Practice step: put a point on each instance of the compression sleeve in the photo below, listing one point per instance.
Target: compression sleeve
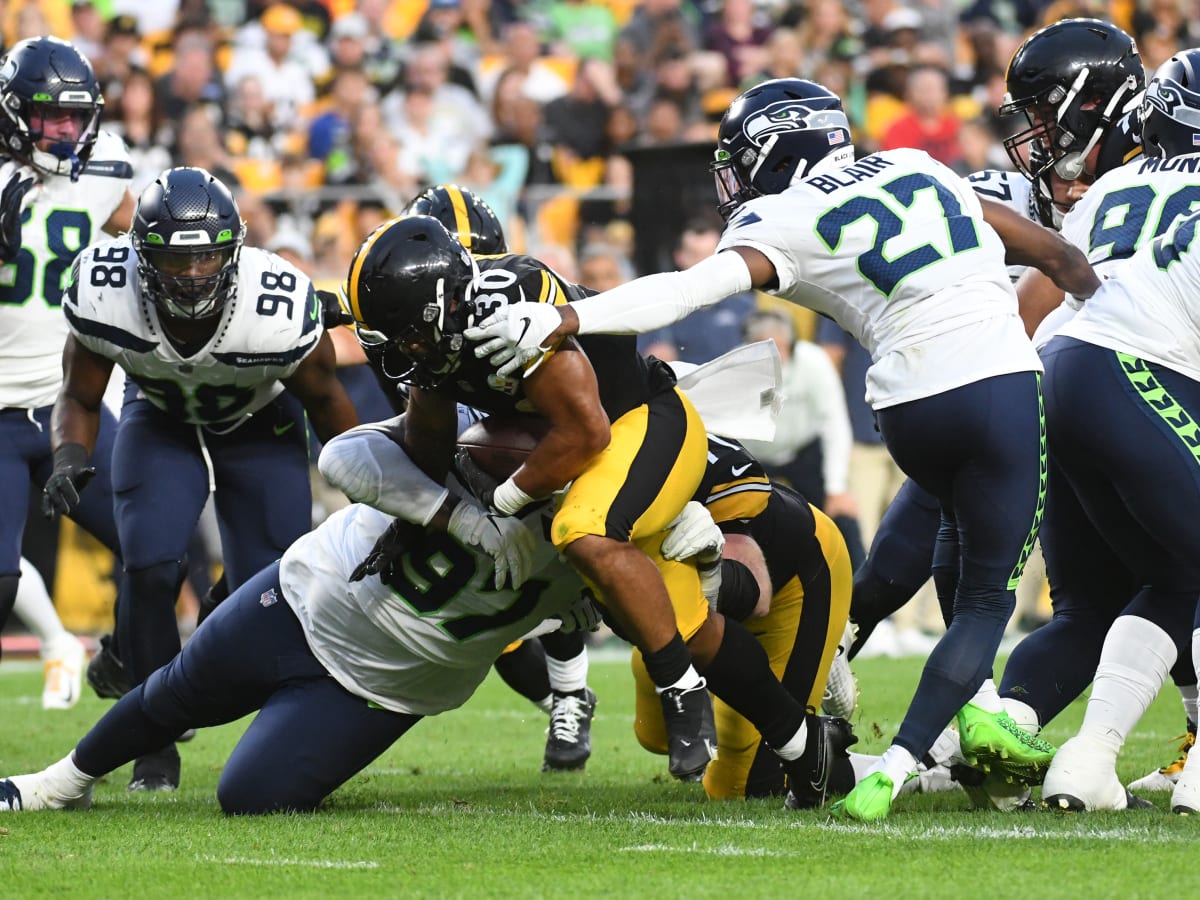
(656, 301)
(355, 463)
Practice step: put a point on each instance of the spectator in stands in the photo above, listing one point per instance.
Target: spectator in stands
(825, 34)
(739, 38)
(122, 53)
(88, 26)
(576, 125)
(930, 124)
(287, 83)
(656, 25)
(136, 117)
(329, 131)
(250, 126)
(709, 332)
(582, 29)
(199, 144)
(603, 266)
(522, 61)
(193, 79)
(382, 62)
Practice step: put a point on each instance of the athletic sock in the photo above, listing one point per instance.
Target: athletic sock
(568, 675)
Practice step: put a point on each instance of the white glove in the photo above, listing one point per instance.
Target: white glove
(507, 541)
(585, 615)
(693, 533)
(514, 335)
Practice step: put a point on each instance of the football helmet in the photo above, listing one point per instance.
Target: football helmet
(45, 80)
(1171, 107)
(465, 214)
(1072, 80)
(188, 234)
(775, 134)
(409, 289)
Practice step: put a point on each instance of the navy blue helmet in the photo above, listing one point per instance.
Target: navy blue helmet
(1171, 107)
(774, 134)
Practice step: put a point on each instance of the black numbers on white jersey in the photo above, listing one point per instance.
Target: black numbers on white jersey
(113, 275)
(990, 183)
(269, 303)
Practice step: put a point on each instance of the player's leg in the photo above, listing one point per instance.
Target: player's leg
(981, 450)
(651, 468)
(62, 654)
(229, 668)
(264, 497)
(899, 561)
(23, 443)
(160, 482)
(573, 704)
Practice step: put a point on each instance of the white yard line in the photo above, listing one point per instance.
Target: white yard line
(281, 861)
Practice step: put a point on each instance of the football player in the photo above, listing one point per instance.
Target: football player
(632, 449)
(62, 181)
(785, 574)
(962, 417)
(552, 671)
(340, 665)
(210, 334)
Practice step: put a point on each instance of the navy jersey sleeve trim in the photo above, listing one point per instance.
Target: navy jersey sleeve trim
(110, 333)
(249, 360)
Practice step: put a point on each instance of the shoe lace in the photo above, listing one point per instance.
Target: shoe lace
(1187, 741)
(1029, 740)
(567, 717)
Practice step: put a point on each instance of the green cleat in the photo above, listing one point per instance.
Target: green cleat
(993, 742)
(870, 801)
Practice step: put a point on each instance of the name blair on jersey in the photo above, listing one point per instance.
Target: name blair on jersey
(867, 167)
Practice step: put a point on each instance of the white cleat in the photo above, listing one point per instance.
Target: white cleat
(1081, 778)
(62, 661)
(26, 793)
(841, 690)
(1185, 799)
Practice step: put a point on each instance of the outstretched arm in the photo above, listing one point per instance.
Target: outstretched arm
(1029, 244)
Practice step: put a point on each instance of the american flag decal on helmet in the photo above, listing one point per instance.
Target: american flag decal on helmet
(836, 137)
(268, 597)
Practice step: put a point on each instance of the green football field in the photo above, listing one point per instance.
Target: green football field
(459, 807)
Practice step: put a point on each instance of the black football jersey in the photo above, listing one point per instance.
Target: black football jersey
(626, 379)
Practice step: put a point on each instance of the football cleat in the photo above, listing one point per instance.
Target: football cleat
(27, 793)
(824, 766)
(569, 741)
(841, 690)
(691, 730)
(106, 673)
(993, 741)
(156, 771)
(1084, 779)
(62, 663)
(1167, 777)
(992, 790)
(870, 801)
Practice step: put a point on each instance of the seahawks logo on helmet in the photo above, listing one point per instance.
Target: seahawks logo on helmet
(1173, 100)
(790, 115)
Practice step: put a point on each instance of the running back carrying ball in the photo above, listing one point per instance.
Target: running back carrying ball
(500, 444)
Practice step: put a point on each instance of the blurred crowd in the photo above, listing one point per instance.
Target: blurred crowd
(327, 116)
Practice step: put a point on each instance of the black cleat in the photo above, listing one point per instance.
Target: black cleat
(570, 737)
(156, 772)
(691, 730)
(106, 674)
(824, 766)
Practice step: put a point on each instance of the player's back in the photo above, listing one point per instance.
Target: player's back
(1131, 205)
(895, 249)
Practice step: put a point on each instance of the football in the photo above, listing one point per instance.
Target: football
(500, 444)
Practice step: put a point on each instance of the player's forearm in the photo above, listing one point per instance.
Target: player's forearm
(656, 301)
(370, 467)
(73, 422)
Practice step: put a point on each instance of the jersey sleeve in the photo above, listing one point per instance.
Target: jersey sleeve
(280, 323)
(109, 174)
(756, 226)
(735, 486)
(98, 295)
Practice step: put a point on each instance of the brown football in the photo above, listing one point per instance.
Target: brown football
(500, 444)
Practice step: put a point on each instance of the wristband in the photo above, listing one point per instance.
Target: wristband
(70, 457)
(508, 499)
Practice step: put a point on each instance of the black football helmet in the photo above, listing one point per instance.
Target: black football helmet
(465, 214)
(409, 289)
(1171, 107)
(188, 234)
(777, 133)
(42, 79)
(1072, 80)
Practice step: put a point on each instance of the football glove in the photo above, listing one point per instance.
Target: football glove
(515, 335)
(693, 533)
(585, 615)
(15, 196)
(332, 312)
(399, 537)
(70, 475)
(507, 541)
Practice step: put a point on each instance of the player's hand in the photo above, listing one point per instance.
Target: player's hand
(333, 313)
(16, 193)
(693, 533)
(516, 335)
(585, 615)
(507, 541)
(399, 537)
(70, 475)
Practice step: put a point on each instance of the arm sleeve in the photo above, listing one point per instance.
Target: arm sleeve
(356, 462)
(656, 301)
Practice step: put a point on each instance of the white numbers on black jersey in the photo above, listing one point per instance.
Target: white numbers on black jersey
(489, 296)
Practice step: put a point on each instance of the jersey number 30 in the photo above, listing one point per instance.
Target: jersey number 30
(886, 274)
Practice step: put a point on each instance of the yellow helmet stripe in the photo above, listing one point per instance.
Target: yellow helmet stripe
(356, 269)
(462, 221)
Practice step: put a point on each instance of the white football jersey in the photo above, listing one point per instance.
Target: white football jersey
(270, 324)
(422, 645)
(1011, 189)
(894, 248)
(1147, 308)
(64, 217)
